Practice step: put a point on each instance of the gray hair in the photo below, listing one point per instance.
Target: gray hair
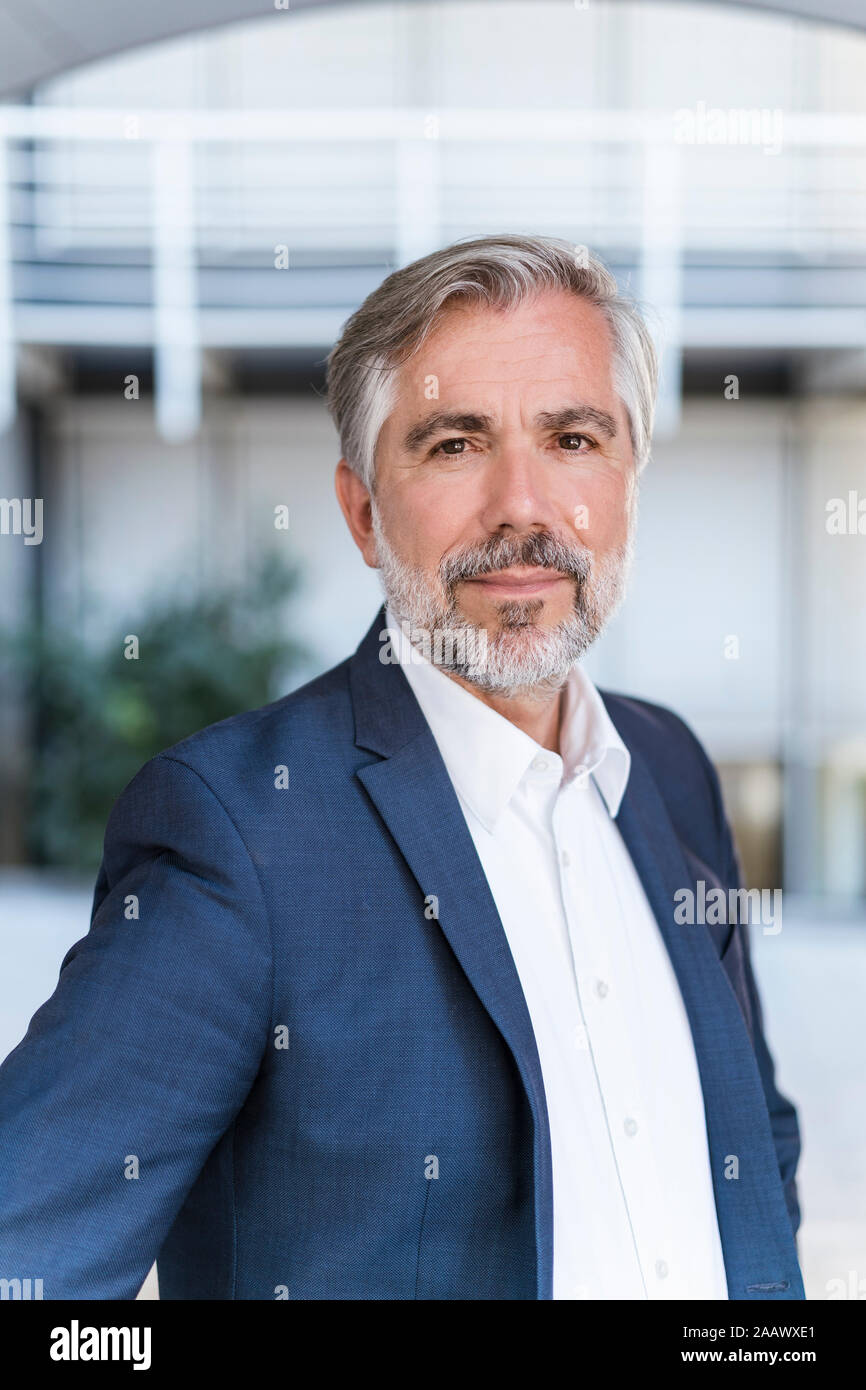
(500, 271)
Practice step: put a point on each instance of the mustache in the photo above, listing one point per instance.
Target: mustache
(540, 548)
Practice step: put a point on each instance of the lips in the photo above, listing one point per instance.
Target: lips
(520, 579)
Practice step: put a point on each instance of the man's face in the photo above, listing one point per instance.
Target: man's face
(505, 485)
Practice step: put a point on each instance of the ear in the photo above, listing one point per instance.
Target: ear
(354, 499)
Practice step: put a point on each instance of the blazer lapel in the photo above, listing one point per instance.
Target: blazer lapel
(750, 1207)
(413, 793)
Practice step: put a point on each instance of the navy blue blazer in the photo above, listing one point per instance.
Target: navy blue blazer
(268, 1042)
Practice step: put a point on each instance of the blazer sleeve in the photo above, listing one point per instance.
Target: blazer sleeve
(137, 1064)
(783, 1115)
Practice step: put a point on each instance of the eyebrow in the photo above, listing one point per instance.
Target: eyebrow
(468, 422)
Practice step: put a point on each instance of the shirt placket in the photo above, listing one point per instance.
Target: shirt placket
(601, 988)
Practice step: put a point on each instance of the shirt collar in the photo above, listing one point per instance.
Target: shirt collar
(487, 756)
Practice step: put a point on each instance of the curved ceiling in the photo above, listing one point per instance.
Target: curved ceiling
(39, 38)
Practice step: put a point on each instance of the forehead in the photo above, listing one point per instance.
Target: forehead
(553, 340)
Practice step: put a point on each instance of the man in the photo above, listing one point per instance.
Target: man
(385, 995)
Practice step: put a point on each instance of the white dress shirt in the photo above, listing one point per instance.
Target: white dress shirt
(633, 1209)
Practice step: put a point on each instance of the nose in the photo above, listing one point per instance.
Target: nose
(514, 496)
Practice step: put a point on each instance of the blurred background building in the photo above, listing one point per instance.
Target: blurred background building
(185, 226)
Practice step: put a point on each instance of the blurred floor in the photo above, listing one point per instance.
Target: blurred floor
(812, 978)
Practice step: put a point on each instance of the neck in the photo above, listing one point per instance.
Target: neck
(538, 716)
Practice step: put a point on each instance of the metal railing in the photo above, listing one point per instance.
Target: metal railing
(132, 227)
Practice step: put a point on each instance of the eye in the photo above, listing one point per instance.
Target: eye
(448, 452)
(565, 441)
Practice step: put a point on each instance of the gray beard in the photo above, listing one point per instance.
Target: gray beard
(519, 658)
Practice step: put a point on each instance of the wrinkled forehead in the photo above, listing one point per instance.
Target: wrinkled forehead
(551, 342)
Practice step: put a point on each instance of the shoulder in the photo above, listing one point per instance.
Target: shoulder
(232, 757)
(320, 703)
(648, 722)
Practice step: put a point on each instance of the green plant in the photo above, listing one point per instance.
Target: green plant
(98, 715)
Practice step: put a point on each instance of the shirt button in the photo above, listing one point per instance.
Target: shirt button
(581, 775)
(630, 1127)
(581, 1038)
(601, 988)
(661, 1269)
(539, 764)
(566, 858)
(580, 1291)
